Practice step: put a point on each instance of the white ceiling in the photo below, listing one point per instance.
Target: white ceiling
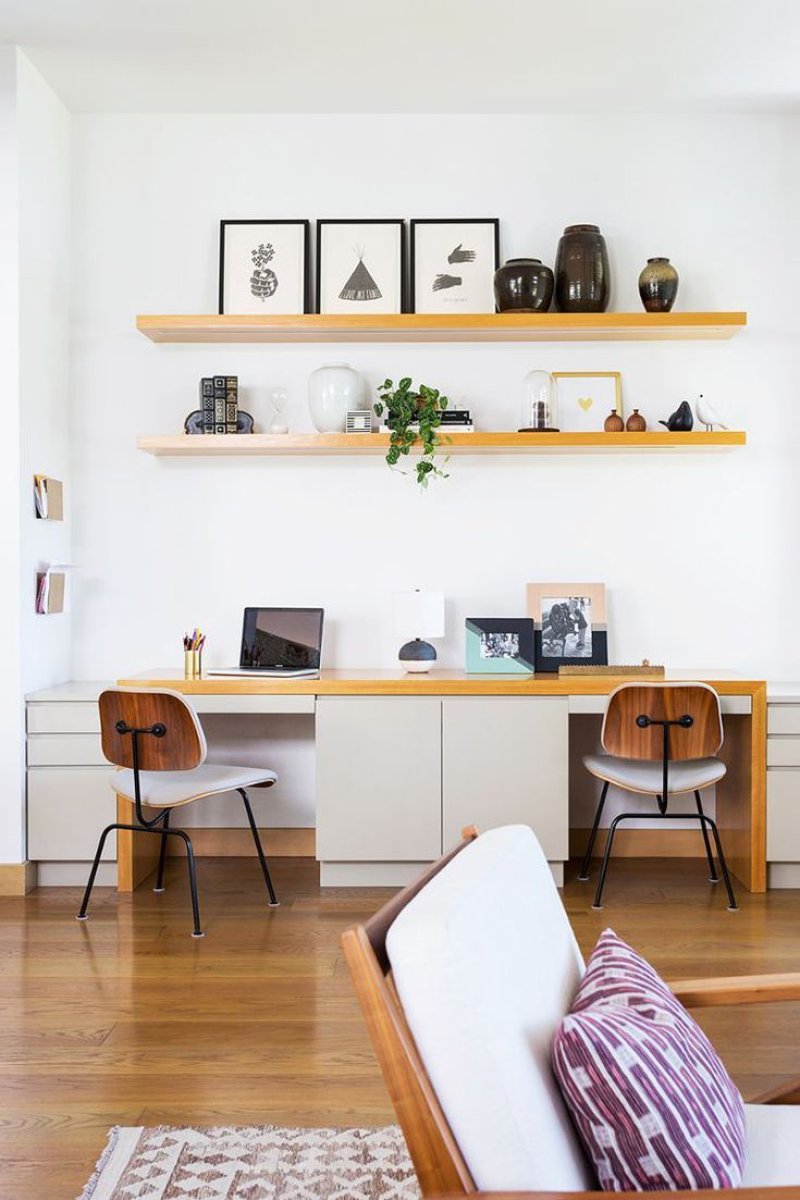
(460, 56)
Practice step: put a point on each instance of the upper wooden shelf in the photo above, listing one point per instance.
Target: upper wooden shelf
(214, 444)
(416, 327)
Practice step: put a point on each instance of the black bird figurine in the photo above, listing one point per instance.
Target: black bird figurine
(681, 421)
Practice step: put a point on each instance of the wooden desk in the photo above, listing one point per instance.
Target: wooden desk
(498, 734)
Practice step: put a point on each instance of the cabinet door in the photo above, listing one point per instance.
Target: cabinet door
(379, 779)
(68, 808)
(783, 816)
(504, 762)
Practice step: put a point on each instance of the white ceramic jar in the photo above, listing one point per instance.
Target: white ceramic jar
(332, 391)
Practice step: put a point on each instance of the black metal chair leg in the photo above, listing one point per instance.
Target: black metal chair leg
(162, 856)
(198, 933)
(82, 915)
(606, 856)
(273, 900)
(713, 877)
(583, 874)
(732, 905)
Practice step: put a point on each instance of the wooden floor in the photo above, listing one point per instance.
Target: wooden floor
(127, 1020)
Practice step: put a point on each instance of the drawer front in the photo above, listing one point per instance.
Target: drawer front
(783, 816)
(252, 704)
(783, 752)
(783, 718)
(65, 750)
(63, 718)
(68, 808)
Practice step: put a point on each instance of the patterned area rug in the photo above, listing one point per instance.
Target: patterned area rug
(254, 1163)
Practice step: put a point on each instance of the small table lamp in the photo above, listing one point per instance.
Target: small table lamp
(416, 615)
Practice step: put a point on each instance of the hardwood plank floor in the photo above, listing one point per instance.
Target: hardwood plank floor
(127, 1020)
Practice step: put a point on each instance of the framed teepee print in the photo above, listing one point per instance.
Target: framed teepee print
(453, 264)
(263, 267)
(360, 266)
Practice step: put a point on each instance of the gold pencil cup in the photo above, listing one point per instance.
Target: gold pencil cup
(192, 664)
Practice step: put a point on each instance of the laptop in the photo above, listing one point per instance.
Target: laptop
(280, 643)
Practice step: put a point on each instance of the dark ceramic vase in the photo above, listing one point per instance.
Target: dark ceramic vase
(523, 285)
(658, 285)
(583, 282)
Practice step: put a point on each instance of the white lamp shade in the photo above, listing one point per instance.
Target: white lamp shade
(418, 614)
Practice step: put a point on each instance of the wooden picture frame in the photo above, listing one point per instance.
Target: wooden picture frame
(600, 394)
(275, 282)
(475, 295)
(569, 623)
(358, 272)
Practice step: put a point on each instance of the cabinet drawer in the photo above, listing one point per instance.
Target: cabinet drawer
(783, 752)
(63, 718)
(783, 816)
(65, 750)
(68, 808)
(783, 718)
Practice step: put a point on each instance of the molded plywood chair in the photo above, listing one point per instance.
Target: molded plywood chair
(483, 967)
(661, 740)
(157, 740)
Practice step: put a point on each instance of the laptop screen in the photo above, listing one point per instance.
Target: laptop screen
(275, 638)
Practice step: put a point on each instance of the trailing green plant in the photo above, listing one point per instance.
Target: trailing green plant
(412, 416)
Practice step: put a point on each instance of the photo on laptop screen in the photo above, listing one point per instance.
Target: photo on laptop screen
(281, 639)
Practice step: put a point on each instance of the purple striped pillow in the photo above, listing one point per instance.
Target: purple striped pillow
(652, 1103)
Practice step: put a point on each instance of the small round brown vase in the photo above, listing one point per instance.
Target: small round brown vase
(636, 422)
(613, 422)
(658, 285)
(523, 285)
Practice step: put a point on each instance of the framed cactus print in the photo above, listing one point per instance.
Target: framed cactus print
(361, 266)
(263, 267)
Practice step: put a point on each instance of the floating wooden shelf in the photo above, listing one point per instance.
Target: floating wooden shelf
(462, 327)
(213, 445)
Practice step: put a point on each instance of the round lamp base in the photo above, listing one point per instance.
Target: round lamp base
(417, 656)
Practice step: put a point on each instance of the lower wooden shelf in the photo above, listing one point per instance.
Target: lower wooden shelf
(213, 445)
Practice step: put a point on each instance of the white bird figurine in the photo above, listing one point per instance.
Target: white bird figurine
(707, 414)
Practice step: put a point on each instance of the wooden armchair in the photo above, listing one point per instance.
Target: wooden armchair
(471, 1085)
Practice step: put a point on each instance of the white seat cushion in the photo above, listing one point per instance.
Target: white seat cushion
(167, 789)
(641, 775)
(773, 1145)
(486, 965)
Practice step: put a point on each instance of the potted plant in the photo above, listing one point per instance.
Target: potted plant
(413, 415)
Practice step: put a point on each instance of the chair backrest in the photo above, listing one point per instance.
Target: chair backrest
(622, 736)
(485, 965)
(183, 745)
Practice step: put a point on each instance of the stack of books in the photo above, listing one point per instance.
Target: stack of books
(454, 420)
(219, 401)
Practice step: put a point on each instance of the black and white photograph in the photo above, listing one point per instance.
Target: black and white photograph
(263, 267)
(567, 627)
(569, 624)
(499, 645)
(361, 266)
(453, 264)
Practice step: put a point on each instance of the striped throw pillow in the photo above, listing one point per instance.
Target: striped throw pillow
(652, 1103)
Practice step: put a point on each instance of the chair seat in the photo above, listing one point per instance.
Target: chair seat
(773, 1145)
(168, 789)
(641, 775)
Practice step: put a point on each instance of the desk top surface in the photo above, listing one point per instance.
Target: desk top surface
(442, 682)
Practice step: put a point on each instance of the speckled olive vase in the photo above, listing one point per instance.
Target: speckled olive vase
(658, 285)
(583, 281)
(523, 285)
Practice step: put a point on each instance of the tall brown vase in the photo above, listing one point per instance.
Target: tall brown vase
(583, 282)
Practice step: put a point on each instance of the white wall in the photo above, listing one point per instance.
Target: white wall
(34, 352)
(693, 548)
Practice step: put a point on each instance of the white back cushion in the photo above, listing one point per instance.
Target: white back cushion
(486, 965)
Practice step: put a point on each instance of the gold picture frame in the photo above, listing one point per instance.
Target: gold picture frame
(585, 398)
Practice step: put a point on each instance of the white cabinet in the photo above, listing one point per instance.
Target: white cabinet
(783, 794)
(505, 761)
(379, 780)
(68, 808)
